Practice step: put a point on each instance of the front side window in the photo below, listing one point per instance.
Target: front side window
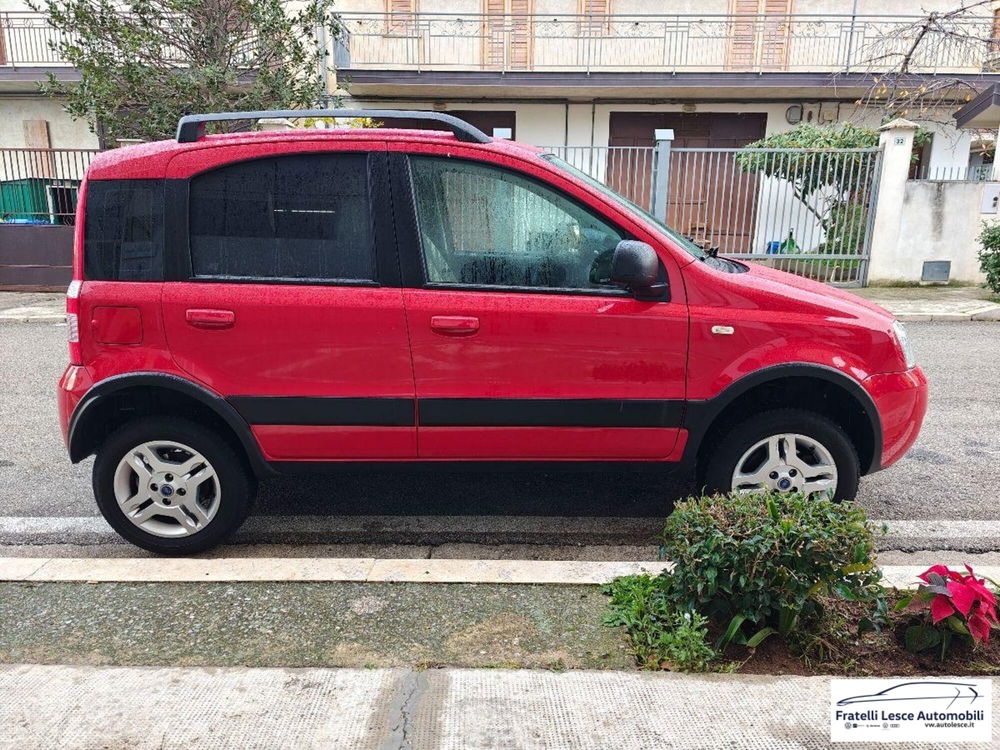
(482, 225)
(301, 217)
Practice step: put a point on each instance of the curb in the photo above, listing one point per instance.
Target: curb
(356, 570)
(6, 318)
(987, 312)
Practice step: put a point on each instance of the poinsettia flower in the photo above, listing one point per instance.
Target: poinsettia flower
(962, 596)
(979, 627)
(941, 608)
(983, 594)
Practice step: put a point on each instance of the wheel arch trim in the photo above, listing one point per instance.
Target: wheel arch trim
(99, 392)
(700, 415)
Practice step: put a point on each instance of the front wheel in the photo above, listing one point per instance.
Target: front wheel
(785, 450)
(172, 486)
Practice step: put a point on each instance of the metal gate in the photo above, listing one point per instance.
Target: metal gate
(806, 211)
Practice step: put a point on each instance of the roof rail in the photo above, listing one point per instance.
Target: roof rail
(191, 128)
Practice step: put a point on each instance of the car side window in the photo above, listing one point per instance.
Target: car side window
(482, 225)
(299, 217)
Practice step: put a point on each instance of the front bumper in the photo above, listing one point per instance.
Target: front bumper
(901, 399)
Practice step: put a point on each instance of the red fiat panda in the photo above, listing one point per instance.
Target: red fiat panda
(283, 302)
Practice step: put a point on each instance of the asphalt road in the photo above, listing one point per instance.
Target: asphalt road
(952, 473)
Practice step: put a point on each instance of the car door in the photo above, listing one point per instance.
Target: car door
(521, 349)
(285, 295)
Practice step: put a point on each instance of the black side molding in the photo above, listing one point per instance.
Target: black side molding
(323, 410)
(84, 419)
(549, 412)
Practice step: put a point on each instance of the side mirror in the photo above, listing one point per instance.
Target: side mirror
(636, 265)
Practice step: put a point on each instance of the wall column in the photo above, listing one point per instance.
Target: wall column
(896, 143)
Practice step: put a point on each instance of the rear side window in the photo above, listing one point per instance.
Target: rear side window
(123, 230)
(301, 217)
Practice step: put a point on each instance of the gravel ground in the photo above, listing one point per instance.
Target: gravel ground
(953, 472)
(307, 624)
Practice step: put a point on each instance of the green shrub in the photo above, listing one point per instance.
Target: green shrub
(755, 563)
(989, 255)
(659, 634)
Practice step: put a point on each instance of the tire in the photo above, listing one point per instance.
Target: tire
(807, 430)
(211, 488)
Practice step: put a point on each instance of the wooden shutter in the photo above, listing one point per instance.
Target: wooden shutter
(596, 16)
(759, 35)
(774, 53)
(3, 49)
(400, 19)
(507, 34)
(520, 34)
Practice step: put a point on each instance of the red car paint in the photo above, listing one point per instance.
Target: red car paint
(422, 354)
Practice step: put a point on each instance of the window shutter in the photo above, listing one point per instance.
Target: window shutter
(399, 16)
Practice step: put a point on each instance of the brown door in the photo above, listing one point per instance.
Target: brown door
(507, 34)
(758, 34)
(709, 198)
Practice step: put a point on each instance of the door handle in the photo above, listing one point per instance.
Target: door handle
(210, 318)
(454, 325)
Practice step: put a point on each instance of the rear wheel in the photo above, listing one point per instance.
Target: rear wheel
(172, 486)
(785, 450)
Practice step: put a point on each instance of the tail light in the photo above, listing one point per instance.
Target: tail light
(73, 322)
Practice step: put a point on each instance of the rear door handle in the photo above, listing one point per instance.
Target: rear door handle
(201, 318)
(454, 325)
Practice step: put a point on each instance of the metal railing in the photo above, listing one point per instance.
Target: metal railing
(977, 173)
(668, 43)
(26, 39)
(39, 186)
(806, 211)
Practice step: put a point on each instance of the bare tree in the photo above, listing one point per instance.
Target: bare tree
(903, 62)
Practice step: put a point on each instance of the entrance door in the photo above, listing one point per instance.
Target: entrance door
(507, 34)
(521, 349)
(291, 307)
(710, 199)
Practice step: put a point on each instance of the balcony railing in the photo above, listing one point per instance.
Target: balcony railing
(613, 43)
(25, 41)
(654, 43)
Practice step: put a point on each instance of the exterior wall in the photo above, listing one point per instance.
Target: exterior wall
(63, 131)
(938, 221)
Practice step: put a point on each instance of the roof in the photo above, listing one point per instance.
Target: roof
(981, 112)
(149, 160)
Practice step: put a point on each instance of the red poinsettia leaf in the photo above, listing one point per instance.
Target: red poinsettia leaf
(962, 596)
(938, 570)
(979, 628)
(983, 594)
(969, 568)
(940, 609)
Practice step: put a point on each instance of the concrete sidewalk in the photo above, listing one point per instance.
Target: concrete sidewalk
(934, 303)
(949, 303)
(191, 708)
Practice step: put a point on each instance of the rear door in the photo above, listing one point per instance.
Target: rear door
(521, 349)
(286, 296)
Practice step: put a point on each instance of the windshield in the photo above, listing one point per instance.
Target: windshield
(683, 242)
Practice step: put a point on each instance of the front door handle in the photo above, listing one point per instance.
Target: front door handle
(454, 325)
(201, 318)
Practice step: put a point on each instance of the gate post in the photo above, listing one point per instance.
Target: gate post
(661, 171)
(897, 146)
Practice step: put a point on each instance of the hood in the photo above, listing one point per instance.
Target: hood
(812, 292)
